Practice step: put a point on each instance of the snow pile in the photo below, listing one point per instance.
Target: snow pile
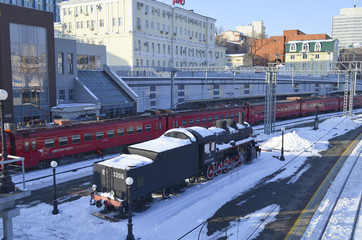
(292, 143)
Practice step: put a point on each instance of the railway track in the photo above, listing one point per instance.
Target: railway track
(329, 223)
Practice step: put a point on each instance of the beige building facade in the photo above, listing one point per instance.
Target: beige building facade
(253, 30)
(144, 33)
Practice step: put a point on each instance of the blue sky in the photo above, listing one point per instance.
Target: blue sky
(309, 16)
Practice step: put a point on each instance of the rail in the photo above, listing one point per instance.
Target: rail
(13, 168)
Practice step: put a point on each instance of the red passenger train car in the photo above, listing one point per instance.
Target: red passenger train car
(40, 145)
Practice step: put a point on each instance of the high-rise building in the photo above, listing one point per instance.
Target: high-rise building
(253, 30)
(144, 33)
(45, 5)
(347, 26)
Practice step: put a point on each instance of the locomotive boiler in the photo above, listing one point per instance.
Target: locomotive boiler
(163, 164)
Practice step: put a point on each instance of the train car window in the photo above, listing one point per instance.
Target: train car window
(177, 124)
(140, 182)
(258, 112)
(139, 129)
(173, 124)
(49, 143)
(290, 107)
(99, 135)
(33, 145)
(26, 146)
(191, 121)
(204, 120)
(88, 137)
(226, 115)
(63, 141)
(237, 115)
(278, 109)
(198, 121)
(207, 148)
(210, 119)
(231, 115)
(213, 146)
(215, 118)
(130, 131)
(148, 128)
(110, 133)
(160, 126)
(184, 122)
(156, 126)
(76, 139)
(120, 132)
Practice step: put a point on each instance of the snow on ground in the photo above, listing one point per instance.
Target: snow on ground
(342, 220)
(172, 218)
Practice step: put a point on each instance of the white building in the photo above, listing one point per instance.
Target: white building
(143, 33)
(347, 27)
(253, 30)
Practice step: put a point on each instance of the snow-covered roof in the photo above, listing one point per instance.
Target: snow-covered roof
(204, 132)
(162, 144)
(126, 161)
(184, 131)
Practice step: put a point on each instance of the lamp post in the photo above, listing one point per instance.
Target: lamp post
(129, 182)
(282, 152)
(6, 184)
(316, 119)
(55, 211)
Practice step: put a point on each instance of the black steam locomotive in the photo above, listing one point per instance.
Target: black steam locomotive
(163, 164)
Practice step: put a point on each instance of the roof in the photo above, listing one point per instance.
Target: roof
(103, 88)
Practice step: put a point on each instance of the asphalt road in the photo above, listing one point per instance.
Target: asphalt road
(292, 198)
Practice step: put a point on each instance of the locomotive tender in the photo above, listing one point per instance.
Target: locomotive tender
(164, 163)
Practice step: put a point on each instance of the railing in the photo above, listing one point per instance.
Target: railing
(14, 168)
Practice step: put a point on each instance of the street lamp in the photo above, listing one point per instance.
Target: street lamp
(316, 118)
(55, 211)
(6, 184)
(282, 152)
(129, 182)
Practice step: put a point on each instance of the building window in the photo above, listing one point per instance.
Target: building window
(293, 47)
(62, 94)
(316, 56)
(305, 56)
(305, 47)
(70, 63)
(70, 94)
(292, 57)
(120, 21)
(101, 23)
(60, 63)
(318, 47)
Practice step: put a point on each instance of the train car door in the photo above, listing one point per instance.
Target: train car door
(30, 152)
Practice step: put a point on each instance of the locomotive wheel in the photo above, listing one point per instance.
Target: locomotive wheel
(166, 192)
(226, 165)
(218, 168)
(210, 171)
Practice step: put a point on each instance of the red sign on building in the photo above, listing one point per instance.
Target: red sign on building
(182, 2)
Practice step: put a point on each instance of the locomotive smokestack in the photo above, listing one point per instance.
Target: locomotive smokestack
(241, 117)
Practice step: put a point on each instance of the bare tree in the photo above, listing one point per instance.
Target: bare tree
(255, 44)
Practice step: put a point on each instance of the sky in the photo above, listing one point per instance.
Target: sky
(309, 16)
(171, 218)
